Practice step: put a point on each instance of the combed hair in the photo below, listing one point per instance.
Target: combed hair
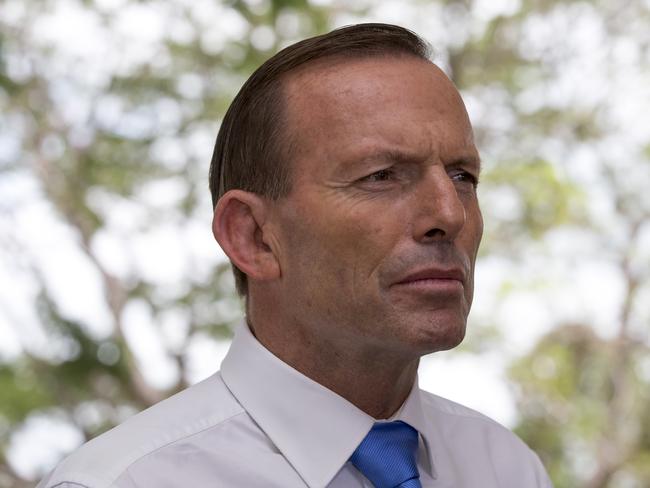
(250, 153)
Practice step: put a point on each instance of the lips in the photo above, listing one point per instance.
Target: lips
(433, 274)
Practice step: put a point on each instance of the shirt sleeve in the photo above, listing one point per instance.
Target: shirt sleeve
(523, 469)
(516, 464)
(542, 478)
(64, 484)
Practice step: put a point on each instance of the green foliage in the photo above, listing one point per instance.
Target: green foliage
(75, 369)
(569, 387)
(546, 199)
(565, 388)
(19, 383)
(112, 151)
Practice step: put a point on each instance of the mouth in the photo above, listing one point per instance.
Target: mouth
(439, 280)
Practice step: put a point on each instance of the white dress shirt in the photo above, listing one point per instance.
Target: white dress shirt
(259, 423)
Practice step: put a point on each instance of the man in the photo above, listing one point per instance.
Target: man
(344, 181)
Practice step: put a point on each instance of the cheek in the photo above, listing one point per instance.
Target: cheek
(363, 235)
(345, 245)
(477, 218)
(473, 231)
(471, 241)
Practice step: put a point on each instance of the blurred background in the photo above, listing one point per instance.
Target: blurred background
(114, 295)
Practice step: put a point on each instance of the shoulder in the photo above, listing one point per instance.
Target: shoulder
(459, 419)
(101, 461)
(468, 431)
(456, 413)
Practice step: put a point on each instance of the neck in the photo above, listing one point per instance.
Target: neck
(378, 391)
(374, 380)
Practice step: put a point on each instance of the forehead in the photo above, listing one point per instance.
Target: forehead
(335, 75)
(353, 105)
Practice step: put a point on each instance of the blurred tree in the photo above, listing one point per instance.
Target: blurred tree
(97, 127)
(577, 167)
(126, 111)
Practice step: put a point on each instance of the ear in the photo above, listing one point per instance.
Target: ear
(238, 226)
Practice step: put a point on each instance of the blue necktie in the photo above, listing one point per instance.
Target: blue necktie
(386, 456)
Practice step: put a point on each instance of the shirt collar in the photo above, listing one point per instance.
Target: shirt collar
(413, 414)
(314, 428)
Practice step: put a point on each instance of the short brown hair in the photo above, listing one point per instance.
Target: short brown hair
(249, 153)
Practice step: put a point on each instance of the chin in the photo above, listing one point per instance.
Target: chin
(440, 334)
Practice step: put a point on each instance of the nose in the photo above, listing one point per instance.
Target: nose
(440, 213)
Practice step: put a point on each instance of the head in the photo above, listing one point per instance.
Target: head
(252, 150)
(344, 178)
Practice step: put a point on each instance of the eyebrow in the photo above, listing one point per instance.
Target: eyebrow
(387, 155)
(469, 160)
(401, 156)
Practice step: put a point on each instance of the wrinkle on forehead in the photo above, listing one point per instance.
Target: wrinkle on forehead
(334, 93)
(323, 78)
(344, 109)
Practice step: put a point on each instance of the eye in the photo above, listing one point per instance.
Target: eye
(381, 175)
(465, 177)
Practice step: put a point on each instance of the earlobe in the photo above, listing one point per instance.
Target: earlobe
(238, 226)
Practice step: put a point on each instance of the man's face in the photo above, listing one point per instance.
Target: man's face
(380, 231)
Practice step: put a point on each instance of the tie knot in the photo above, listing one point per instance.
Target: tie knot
(386, 456)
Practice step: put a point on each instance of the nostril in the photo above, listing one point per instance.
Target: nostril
(435, 233)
